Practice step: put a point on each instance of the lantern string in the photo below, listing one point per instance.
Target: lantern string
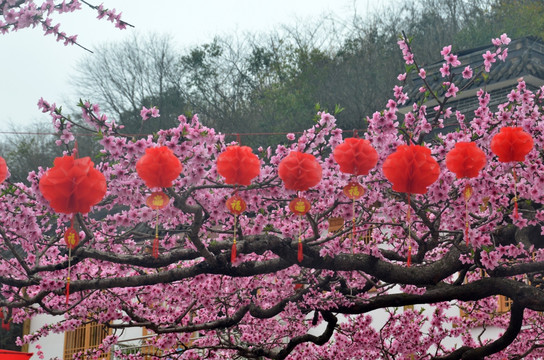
(233, 251)
(408, 220)
(467, 194)
(69, 272)
(300, 255)
(156, 240)
(516, 214)
(353, 226)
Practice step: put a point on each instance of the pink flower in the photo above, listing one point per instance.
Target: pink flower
(452, 60)
(445, 70)
(489, 58)
(505, 39)
(422, 73)
(445, 50)
(401, 77)
(146, 113)
(452, 91)
(467, 72)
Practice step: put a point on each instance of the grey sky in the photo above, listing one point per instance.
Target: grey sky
(34, 65)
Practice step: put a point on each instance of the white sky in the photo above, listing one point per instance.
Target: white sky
(34, 65)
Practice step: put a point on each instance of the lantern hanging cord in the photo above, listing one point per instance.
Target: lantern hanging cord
(156, 240)
(300, 255)
(467, 194)
(353, 226)
(69, 272)
(408, 220)
(516, 214)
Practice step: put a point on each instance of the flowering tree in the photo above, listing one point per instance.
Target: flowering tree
(294, 288)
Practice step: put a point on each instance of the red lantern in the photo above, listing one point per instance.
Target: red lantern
(3, 170)
(411, 169)
(353, 190)
(465, 160)
(511, 144)
(238, 165)
(299, 171)
(158, 167)
(236, 205)
(300, 206)
(73, 185)
(355, 156)
(157, 200)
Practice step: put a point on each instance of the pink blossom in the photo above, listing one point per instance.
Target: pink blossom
(467, 72)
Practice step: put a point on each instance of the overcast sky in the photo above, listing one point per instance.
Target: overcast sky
(34, 65)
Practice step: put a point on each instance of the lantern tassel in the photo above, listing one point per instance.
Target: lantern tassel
(156, 240)
(67, 290)
(300, 255)
(233, 252)
(409, 260)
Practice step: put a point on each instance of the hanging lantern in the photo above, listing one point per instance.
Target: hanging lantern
(353, 190)
(73, 185)
(159, 167)
(512, 144)
(299, 206)
(411, 169)
(299, 171)
(238, 165)
(355, 156)
(3, 170)
(236, 205)
(466, 160)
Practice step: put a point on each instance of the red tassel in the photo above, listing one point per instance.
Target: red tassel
(516, 214)
(67, 289)
(409, 261)
(156, 247)
(5, 325)
(233, 253)
(300, 256)
(466, 234)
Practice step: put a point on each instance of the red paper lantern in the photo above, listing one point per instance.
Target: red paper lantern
(511, 144)
(300, 206)
(355, 156)
(3, 170)
(299, 171)
(465, 160)
(157, 200)
(158, 167)
(238, 165)
(411, 169)
(73, 185)
(353, 190)
(236, 205)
